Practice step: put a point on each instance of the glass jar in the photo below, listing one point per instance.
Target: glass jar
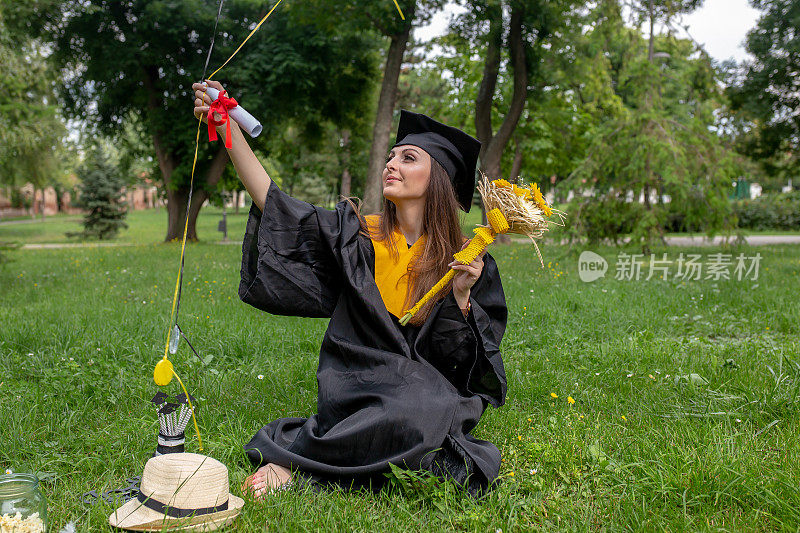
(22, 506)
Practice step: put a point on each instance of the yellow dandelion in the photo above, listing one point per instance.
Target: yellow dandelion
(511, 474)
(553, 395)
(570, 400)
(519, 437)
(624, 419)
(529, 420)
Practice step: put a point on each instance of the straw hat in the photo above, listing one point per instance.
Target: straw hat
(182, 492)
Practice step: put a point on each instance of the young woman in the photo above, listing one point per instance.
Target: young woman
(405, 395)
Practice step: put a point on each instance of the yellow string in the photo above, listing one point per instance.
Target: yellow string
(399, 10)
(247, 39)
(196, 429)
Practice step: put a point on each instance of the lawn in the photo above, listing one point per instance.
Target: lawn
(644, 446)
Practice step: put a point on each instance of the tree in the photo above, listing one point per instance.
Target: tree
(101, 195)
(30, 137)
(385, 19)
(139, 57)
(764, 90)
(658, 142)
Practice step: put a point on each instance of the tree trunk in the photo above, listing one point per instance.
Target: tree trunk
(383, 118)
(492, 154)
(516, 166)
(176, 201)
(492, 146)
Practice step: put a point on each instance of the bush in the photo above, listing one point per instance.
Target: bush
(772, 211)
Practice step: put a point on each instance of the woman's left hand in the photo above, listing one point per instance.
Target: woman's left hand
(465, 278)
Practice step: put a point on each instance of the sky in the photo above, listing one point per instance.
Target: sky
(720, 26)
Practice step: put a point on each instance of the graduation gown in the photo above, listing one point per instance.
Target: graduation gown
(386, 393)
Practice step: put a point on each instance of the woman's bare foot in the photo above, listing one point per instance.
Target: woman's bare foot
(266, 479)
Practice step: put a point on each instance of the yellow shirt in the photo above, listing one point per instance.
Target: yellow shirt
(390, 275)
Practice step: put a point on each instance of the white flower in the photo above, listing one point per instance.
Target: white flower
(8, 471)
(534, 471)
(630, 375)
(261, 376)
(738, 419)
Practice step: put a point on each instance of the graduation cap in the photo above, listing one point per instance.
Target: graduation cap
(456, 151)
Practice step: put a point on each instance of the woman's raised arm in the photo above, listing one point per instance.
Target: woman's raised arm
(250, 170)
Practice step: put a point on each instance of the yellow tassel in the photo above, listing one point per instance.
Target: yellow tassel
(497, 221)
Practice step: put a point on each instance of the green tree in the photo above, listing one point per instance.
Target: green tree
(30, 138)
(139, 57)
(658, 141)
(764, 89)
(101, 195)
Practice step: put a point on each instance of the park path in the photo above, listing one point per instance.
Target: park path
(35, 221)
(57, 245)
(752, 240)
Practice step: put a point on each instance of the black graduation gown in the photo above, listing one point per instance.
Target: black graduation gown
(386, 393)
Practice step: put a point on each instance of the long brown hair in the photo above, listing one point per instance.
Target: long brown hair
(442, 230)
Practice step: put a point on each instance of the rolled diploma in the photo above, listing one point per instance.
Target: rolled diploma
(247, 121)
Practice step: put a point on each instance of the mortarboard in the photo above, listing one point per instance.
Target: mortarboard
(456, 151)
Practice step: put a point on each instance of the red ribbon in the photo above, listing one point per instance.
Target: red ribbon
(221, 105)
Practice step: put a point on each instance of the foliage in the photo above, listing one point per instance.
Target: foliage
(657, 141)
(101, 195)
(139, 58)
(769, 211)
(31, 134)
(764, 88)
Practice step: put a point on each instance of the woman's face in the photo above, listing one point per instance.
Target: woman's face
(406, 174)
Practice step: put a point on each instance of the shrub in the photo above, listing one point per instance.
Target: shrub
(770, 211)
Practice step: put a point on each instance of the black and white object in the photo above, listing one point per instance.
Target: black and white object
(173, 417)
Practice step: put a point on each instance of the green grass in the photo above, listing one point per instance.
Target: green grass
(145, 227)
(81, 329)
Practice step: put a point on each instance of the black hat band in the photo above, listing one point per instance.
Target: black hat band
(177, 512)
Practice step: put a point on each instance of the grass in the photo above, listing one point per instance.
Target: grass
(644, 446)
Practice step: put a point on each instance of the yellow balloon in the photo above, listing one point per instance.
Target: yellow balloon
(162, 374)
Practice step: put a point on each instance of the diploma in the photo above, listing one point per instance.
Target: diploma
(245, 120)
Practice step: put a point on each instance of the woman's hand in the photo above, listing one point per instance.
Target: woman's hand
(202, 100)
(465, 278)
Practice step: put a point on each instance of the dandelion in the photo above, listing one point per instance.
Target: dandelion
(624, 419)
(570, 400)
(529, 420)
(511, 474)
(650, 376)
(553, 395)
(519, 437)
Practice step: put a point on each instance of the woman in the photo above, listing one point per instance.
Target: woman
(405, 395)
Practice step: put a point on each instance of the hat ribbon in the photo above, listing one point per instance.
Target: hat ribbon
(177, 512)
